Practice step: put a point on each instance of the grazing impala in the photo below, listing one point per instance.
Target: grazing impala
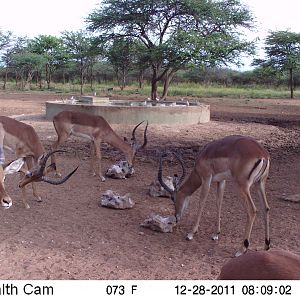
(97, 130)
(22, 139)
(239, 157)
(274, 264)
(5, 169)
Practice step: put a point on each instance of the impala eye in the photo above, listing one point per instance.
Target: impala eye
(29, 174)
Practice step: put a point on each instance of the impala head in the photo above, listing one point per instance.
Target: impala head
(135, 145)
(179, 201)
(39, 172)
(5, 169)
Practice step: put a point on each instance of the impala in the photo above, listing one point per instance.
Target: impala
(6, 169)
(97, 130)
(239, 157)
(262, 265)
(22, 139)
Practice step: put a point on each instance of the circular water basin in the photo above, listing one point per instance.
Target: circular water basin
(133, 112)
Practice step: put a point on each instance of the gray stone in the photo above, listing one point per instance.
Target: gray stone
(156, 190)
(120, 170)
(112, 199)
(160, 223)
(291, 198)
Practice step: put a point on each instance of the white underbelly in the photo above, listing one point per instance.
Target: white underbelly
(81, 135)
(221, 176)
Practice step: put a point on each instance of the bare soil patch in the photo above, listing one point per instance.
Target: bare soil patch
(69, 236)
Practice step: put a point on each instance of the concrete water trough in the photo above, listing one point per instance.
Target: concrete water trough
(133, 112)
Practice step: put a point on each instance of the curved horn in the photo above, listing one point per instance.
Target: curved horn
(134, 129)
(44, 160)
(60, 181)
(145, 136)
(159, 176)
(176, 181)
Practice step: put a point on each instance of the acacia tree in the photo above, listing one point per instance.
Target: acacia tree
(81, 49)
(121, 55)
(25, 65)
(18, 45)
(282, 53)
(175, 32)
(52, 49)
(5, 44)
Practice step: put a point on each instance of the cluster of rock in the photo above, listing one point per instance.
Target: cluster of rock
(111, 199)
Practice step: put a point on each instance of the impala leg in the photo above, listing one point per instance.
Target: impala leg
(92, 161)
(29, 163)
(24, 193)
(251, 214)
(203, 197)
(266, 210)
(61, 138)
(98, 160)
(220, 196)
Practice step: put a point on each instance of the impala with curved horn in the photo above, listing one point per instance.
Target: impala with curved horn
(239, 157)
(22, 139)
(97, 130)
(39, 173)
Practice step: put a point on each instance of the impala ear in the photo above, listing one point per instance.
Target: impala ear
(14, 166)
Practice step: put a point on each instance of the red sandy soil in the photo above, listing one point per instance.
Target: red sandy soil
(69, 236)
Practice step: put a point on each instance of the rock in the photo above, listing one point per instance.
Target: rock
(120, 170)
(156, 190)
(160, 223)
(112, 199)
(291, 198)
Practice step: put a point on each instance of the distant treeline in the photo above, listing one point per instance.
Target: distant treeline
(103, 73)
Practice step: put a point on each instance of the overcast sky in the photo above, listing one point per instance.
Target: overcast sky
(34, 17)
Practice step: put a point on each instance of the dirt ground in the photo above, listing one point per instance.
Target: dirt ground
(69, 236)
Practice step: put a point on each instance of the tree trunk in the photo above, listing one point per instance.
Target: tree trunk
(5, 79)
(123, 80)
(81, 78)
(141, 79)
(292, 83)
(91, 77)
(28, 81)
(167, 82)
(48, 76)
(154, 84)
(154, 95)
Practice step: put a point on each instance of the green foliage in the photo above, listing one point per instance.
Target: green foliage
(283, 50)
(53, 51)
(121, 55)
(5, 39)
(282, 54)
(212, 90)
(81, 48)
(174, 33)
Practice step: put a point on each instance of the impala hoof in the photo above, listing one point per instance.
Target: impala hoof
(189, 236)
(215, 237)
(239, 253)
